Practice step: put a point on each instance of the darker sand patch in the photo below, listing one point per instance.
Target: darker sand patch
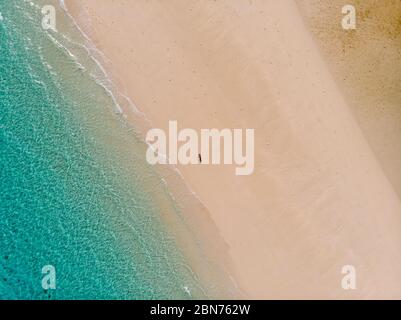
(366, 63)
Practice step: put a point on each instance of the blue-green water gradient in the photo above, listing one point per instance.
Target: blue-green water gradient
(74, 192)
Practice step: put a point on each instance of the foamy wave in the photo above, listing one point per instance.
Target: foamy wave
(93, 51)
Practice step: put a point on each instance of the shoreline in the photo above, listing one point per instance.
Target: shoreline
(192, 243)
(76, 187)
(267, 260)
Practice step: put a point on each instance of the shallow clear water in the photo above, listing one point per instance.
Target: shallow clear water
(75, 191)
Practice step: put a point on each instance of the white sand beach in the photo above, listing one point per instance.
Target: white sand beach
(322, 194)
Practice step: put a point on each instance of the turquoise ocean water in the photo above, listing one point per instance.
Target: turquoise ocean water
(75, 192)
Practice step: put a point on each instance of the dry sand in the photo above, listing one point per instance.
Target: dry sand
(319, 198)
